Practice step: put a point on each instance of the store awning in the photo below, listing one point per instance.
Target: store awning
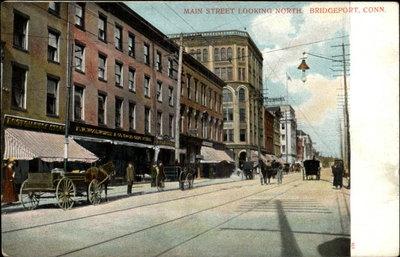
(212, 155)
(27, 145)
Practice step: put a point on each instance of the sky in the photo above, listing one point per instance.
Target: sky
(282, 33)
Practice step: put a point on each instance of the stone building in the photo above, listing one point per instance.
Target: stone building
(304, 146)
(234, 57)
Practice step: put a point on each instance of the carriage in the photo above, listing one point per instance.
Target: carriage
(311, 168)
(66, 186)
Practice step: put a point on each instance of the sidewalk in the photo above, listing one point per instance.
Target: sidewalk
(118, 192)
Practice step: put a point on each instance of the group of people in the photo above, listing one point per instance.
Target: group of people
(156, 168)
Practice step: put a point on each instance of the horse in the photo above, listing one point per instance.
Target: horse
(102, 174)
(268, 171)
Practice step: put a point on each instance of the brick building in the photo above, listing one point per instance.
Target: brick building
(235, 58)
(269, 119)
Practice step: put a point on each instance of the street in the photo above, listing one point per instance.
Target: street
(241, 218)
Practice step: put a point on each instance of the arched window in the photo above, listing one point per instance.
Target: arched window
(229, 53)
(227, 96)
(205, 55)
(223, 54)
(217, 57)
(242, 95)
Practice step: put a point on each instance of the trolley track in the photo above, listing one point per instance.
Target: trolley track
(125, 209)
(189, 215)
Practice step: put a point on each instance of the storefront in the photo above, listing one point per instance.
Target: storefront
(216, 162)
(39, 146)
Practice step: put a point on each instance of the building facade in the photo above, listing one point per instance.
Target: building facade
(305, 146)
(234, 57)
(269, 120)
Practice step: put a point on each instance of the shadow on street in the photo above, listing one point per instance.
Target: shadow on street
(337, 247)
(289, 244)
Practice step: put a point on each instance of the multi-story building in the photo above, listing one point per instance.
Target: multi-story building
(269, 119)
(124, 85)
(234, 57)
(304, 147)
(288, 127)
(34, 80)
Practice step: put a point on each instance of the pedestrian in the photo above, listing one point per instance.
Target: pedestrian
(8, 187)
(130, 176)
(337, 171)
(279, 171)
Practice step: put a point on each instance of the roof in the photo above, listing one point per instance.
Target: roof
(28, 145)
(212, 155)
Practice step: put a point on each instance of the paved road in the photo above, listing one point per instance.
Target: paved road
(297, 218)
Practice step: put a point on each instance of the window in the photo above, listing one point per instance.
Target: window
(101, 109)
(242, 95)
(54, 8)
(146, 54)
(229, 71)
(158, 62)
(242, 135)
(102, 67)
(80, 15)
(79, 57)
(170, 68)
(171, 125)
(223, 73)
(196, 93)
(217, 56)
(283, 125)
(118, 74)
(229, 54)
(159, 91)
(210, 97)
(242, 54)
(131, 45)
(52, 49)
(171, 96)
(118, 112)
(205, 55)
(189, 91)
(18, 87)
(227, 95)
(218, 72)
(146, 85)
(242, 114)
(131, 78)
(52, 96)
(118, 37)
(132, 116)
(223, 54)
(228, 114)
(228, 135)
(283, 136)
(239, 54)
(78, 103)
(283, 149)
(159, 123)
(146, 120)
(198, 55)
(20, 39)
(102, 28)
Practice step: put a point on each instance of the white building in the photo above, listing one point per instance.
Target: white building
(306, 146)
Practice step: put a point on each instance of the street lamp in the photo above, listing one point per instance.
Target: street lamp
(303, 67)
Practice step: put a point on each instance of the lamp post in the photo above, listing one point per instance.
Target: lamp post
(303, 67)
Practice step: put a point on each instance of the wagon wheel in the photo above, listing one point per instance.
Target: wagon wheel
(29, 199)
(94, 191)
(159, 182)
(65, 193)
(188, 183)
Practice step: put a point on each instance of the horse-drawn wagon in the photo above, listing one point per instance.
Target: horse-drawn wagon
(311, 168)
(66, 186)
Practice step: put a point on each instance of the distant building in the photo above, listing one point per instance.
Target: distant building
(305, 149)
(269, 120)
(288, 127)
(233, 56)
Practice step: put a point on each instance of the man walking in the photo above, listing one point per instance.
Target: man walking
(130, 175)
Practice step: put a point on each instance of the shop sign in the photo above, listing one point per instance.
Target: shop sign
(35, 125)
(94, 131)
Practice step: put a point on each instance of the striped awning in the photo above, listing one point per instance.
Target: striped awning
(27, 145)
(212, 155)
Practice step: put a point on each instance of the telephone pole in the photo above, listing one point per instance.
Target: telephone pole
(178, 101)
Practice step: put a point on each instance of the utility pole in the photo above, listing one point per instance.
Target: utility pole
(346, 112)
(2, 137)
(70, 52)
(178, 101)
